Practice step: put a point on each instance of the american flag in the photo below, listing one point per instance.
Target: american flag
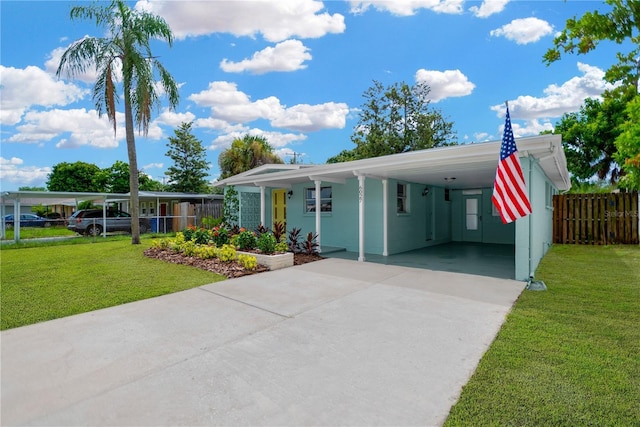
(509, 189)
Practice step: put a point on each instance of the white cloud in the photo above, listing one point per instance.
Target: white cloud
(445, 84)
(531, 127)
(524, 31)
(83, 126)
(309, 118)
(275, 20)
(11, 170)
(229, 104)
(559, 99)
(488, 8)
(153, 166)
(275, 139)
(286, 56)
(407, 7)
(31, 86)
(171, 118)
(481, 136)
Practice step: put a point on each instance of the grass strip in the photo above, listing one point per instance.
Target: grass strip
(49, 282)
(566, 356)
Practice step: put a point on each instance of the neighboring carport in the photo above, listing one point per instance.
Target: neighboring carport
(17, 198)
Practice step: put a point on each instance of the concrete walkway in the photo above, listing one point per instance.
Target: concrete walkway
(334, 342)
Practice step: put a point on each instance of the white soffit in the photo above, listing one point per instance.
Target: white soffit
(472, 165)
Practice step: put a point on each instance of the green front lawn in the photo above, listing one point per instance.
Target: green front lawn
(568, 356)
(39, 232)
(48, 282)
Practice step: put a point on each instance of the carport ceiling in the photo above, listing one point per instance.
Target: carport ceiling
(472, 166)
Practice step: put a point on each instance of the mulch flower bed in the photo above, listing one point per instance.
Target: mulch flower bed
(227, 269)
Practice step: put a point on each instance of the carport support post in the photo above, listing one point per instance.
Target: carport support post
(361, 218)
(16, 220)
(318, 184)
(4, 223)
(262, 208)
(385, 217)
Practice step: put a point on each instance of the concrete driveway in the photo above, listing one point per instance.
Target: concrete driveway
(335, 342)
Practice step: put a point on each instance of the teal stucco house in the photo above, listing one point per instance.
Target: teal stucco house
(403, 202)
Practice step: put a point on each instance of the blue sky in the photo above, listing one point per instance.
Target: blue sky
(293, 71)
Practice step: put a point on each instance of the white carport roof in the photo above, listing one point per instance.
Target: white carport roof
(68, 198)
(472, 166)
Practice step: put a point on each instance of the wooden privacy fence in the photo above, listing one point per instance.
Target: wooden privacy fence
(213, 210)
(596, 219)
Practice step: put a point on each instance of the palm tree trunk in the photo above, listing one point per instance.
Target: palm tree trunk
(134, 205)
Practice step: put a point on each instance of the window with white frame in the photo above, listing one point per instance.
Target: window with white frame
(143, 208)
(152, 208)
(326, 202)
(549, 193)
(403, 200)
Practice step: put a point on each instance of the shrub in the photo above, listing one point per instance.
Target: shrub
(211, 222)
(188, 233)
(206, 251)
(279, 231)
(160, 244)
(282, 246)
(294, 235)
(226, 253)
(267, 243)
(245, 239)
(248, 261)
(220, 236)
(310, 246)
(201, 236)
(188, 248)
(261, 230)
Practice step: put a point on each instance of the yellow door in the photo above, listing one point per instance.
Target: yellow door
(279, 202)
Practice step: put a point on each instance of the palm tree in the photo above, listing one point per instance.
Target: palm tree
(125, 47)
(246, 153)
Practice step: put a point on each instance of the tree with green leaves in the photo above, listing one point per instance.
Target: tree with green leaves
(245, 154)
(77, 177)
(621, 24)
(628, 145)
(190, 165)
(589, 136)
(116, 179)
(126, 48)
(397, 119)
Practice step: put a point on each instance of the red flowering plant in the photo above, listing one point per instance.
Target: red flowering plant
(188, 232)
(220, 235)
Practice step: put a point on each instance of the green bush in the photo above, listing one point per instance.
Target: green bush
(245, 240)
(267, 243)
(220, 236)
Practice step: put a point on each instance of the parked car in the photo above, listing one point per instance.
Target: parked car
(56, 218)
(27, 220)
(90, 222)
